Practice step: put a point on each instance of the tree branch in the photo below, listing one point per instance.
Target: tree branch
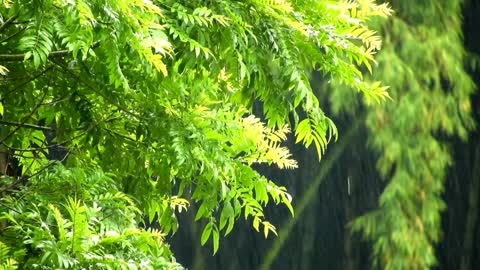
(93, 87)
(26, 82)
(50, 164)
(21, 56)
(7, 23)
(54, 54)
(25, 125)
(125, 137)
(60, 144)
(23, 122)
(14, 35)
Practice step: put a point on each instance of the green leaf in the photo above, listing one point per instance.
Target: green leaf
(256, 223)
(231, 222)
(227, 213)
(202, 210)
(206, 233)
(268, 227)
(216, 240)
(261, 191)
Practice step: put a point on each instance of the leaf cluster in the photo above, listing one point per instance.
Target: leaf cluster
(77, 219)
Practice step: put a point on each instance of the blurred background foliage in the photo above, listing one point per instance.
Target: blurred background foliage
(406, 199)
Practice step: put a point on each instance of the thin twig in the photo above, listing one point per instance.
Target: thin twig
(31, 164)
(14, 35)
(7, 23)
(25, 119)
(26, 82)
(7, 206)
(89, 85)
(62, 143)
(120, 135)
(34, 149)
(50, 164)
(53, 102)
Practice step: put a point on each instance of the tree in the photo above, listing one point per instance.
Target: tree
(121, 113)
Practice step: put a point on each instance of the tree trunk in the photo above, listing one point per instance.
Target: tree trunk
(472, 214)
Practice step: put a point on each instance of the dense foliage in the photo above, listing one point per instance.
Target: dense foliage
(78, 219)
(121, 113)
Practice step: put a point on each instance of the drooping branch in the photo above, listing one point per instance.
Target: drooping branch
(307, 197)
